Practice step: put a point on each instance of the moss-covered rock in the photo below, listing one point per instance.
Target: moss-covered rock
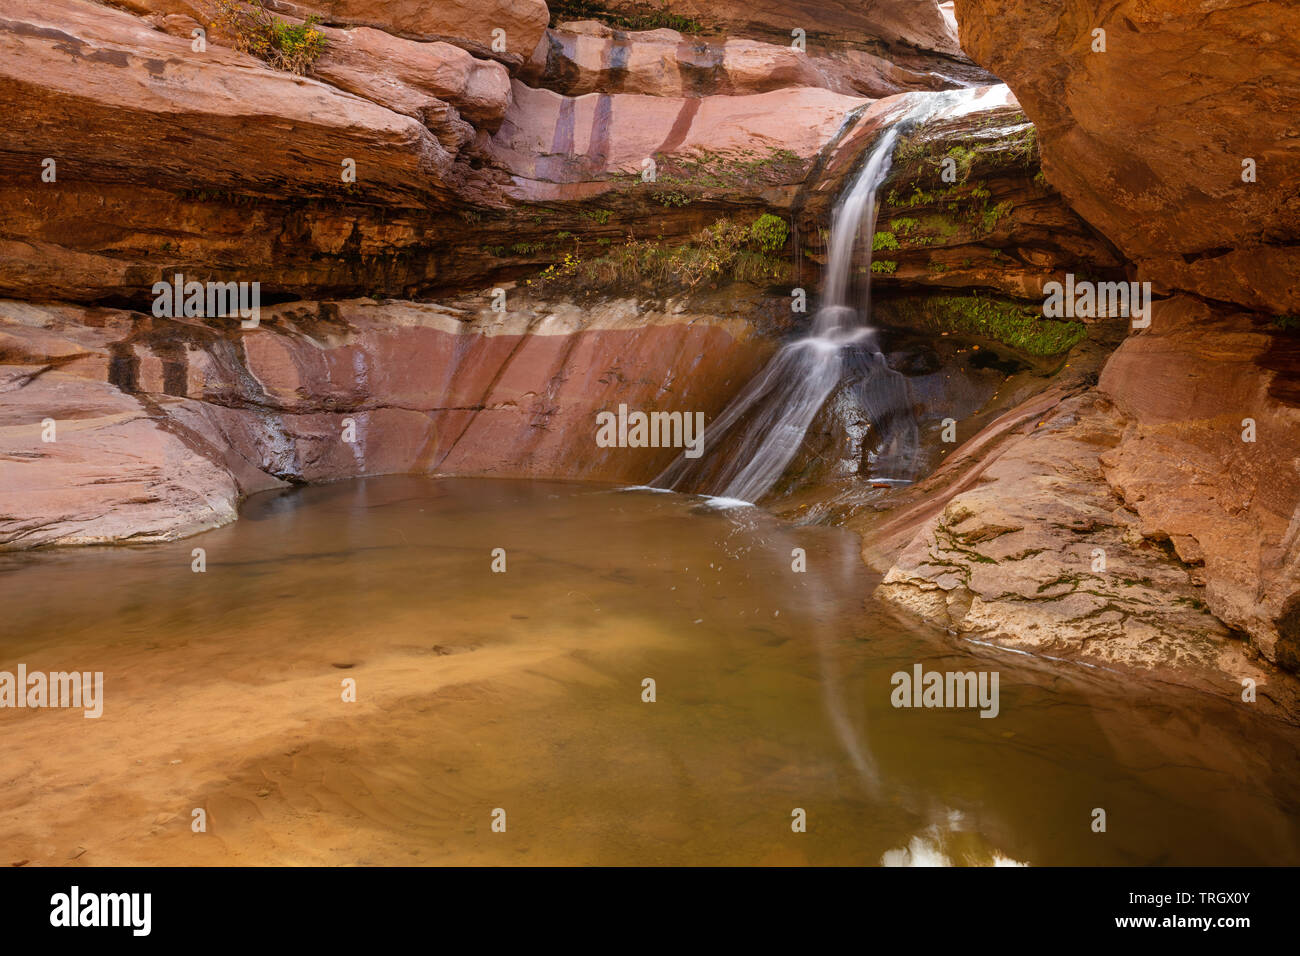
(1015, 325)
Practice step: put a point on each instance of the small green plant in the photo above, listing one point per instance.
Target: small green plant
(884, 240)
(726, 250)
(598, 216)
(884, 267)
(768, 232)
(989, 216)
(1014, 324)
(963, 158)
(670, 198)
(292, 47)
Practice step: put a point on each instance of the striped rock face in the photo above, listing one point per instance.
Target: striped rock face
(160, 426)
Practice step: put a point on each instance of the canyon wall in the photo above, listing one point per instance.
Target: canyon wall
(459, 257)
(1169, 128)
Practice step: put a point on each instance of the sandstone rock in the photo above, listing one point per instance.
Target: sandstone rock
(163, 425)
(564, 147)
(917, 24)
(417, 79)
(147, 108)
(111, 474)
(1147, 139)
(467, 23)
(588, 57)
(1005, 543)
(1188, 384)
(407, 76)
(230, 203)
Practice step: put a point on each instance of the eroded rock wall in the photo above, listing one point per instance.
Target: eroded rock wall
(119, 426)
(1147, 139)
(1168, 127)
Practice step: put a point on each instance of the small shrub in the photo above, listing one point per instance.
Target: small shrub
(285, 46)
(768, 232)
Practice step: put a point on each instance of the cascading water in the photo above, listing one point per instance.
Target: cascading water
(764, 426)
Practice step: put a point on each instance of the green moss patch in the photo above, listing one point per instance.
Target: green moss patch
(1014, 325)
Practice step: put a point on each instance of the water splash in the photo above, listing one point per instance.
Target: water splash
(764, 426)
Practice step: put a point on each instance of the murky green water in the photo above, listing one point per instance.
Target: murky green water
(522, 691)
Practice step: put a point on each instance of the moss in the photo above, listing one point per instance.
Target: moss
(1017, 326)
(902, 225)
(1074, 580)
(681, 178)
(725, 250)
(940, 225)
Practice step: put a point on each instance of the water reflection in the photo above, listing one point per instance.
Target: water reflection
(523, 690)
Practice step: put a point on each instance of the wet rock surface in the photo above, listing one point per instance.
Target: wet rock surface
(161, 426)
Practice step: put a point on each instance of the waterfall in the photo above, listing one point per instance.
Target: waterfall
(764, 426)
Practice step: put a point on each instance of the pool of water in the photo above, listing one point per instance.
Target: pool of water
(481, 690)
